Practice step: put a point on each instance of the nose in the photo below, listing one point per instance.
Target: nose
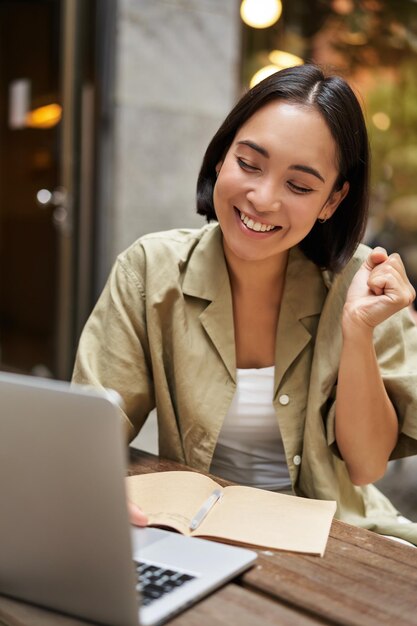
(264, 198)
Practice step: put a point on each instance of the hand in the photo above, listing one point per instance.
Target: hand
(379, 289)
(136, 515)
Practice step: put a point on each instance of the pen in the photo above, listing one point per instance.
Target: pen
(207, 506)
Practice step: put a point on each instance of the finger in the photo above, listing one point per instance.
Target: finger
(388, 273)
(136, 515)
(394, 266)
(377, 255)
(394, 260)
(392, 283)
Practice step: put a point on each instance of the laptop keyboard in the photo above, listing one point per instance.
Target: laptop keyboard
(155, 581)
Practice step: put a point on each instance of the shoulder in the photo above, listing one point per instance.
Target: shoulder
(175, 243)
(338, 283)
(341, 280)
(167, 252)
(359, 256)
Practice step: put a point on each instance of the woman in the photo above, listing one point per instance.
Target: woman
(278, 352)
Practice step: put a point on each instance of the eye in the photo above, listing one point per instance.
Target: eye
(298, 189)
(245, 166)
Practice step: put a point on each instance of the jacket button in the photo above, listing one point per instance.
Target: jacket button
(296, 459)
(284, 399)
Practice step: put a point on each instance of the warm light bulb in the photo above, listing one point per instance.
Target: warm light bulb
(264, 72)
(44, 117)
(343, 7)
(284, 59)
(280, 61)
(260, 13)
(381, 120)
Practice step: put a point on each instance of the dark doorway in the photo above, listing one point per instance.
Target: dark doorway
(29, 79)
(49, 123)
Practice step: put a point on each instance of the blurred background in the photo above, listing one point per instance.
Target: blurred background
(106, 108)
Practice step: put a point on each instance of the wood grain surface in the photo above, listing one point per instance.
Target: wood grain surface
(362, 580)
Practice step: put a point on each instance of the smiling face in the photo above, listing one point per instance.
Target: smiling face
(275, 181)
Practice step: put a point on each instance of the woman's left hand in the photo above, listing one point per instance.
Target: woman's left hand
(379, 289)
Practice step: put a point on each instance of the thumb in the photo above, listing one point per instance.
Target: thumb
(377, 256)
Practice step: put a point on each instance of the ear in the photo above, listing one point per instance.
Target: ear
(219, 167)
(333, 201)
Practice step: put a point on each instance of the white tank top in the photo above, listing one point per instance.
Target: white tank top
(249, 449)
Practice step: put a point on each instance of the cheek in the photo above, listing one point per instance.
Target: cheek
(231, 179)
(222, 189)
(218, 200)
(305, 210)
(216, 195)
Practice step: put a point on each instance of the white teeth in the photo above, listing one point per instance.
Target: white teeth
(256, 226)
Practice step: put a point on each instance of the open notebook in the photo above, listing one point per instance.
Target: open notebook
(65, 539)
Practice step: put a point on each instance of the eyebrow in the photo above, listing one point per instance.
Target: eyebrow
(254, 146)
(308, 170)
(300, 168)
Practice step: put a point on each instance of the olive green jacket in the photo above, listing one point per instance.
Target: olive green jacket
(162, 335)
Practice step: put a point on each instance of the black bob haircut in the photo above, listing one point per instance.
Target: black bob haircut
(329, 245)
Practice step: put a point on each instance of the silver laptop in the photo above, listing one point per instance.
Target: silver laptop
(65, 539)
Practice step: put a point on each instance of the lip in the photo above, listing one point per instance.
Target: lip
(253, 233)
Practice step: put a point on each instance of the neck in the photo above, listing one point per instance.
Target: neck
(258, 276)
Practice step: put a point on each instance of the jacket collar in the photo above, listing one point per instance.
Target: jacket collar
(206, 266)
(303, 297)
(206, 277)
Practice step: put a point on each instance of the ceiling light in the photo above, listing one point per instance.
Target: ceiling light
(260, 13)
(283, 59)
(264, 72)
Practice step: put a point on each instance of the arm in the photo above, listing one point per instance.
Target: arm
(366, 423)
(113, 351)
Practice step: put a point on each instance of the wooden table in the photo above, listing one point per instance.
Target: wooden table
(362, 580)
